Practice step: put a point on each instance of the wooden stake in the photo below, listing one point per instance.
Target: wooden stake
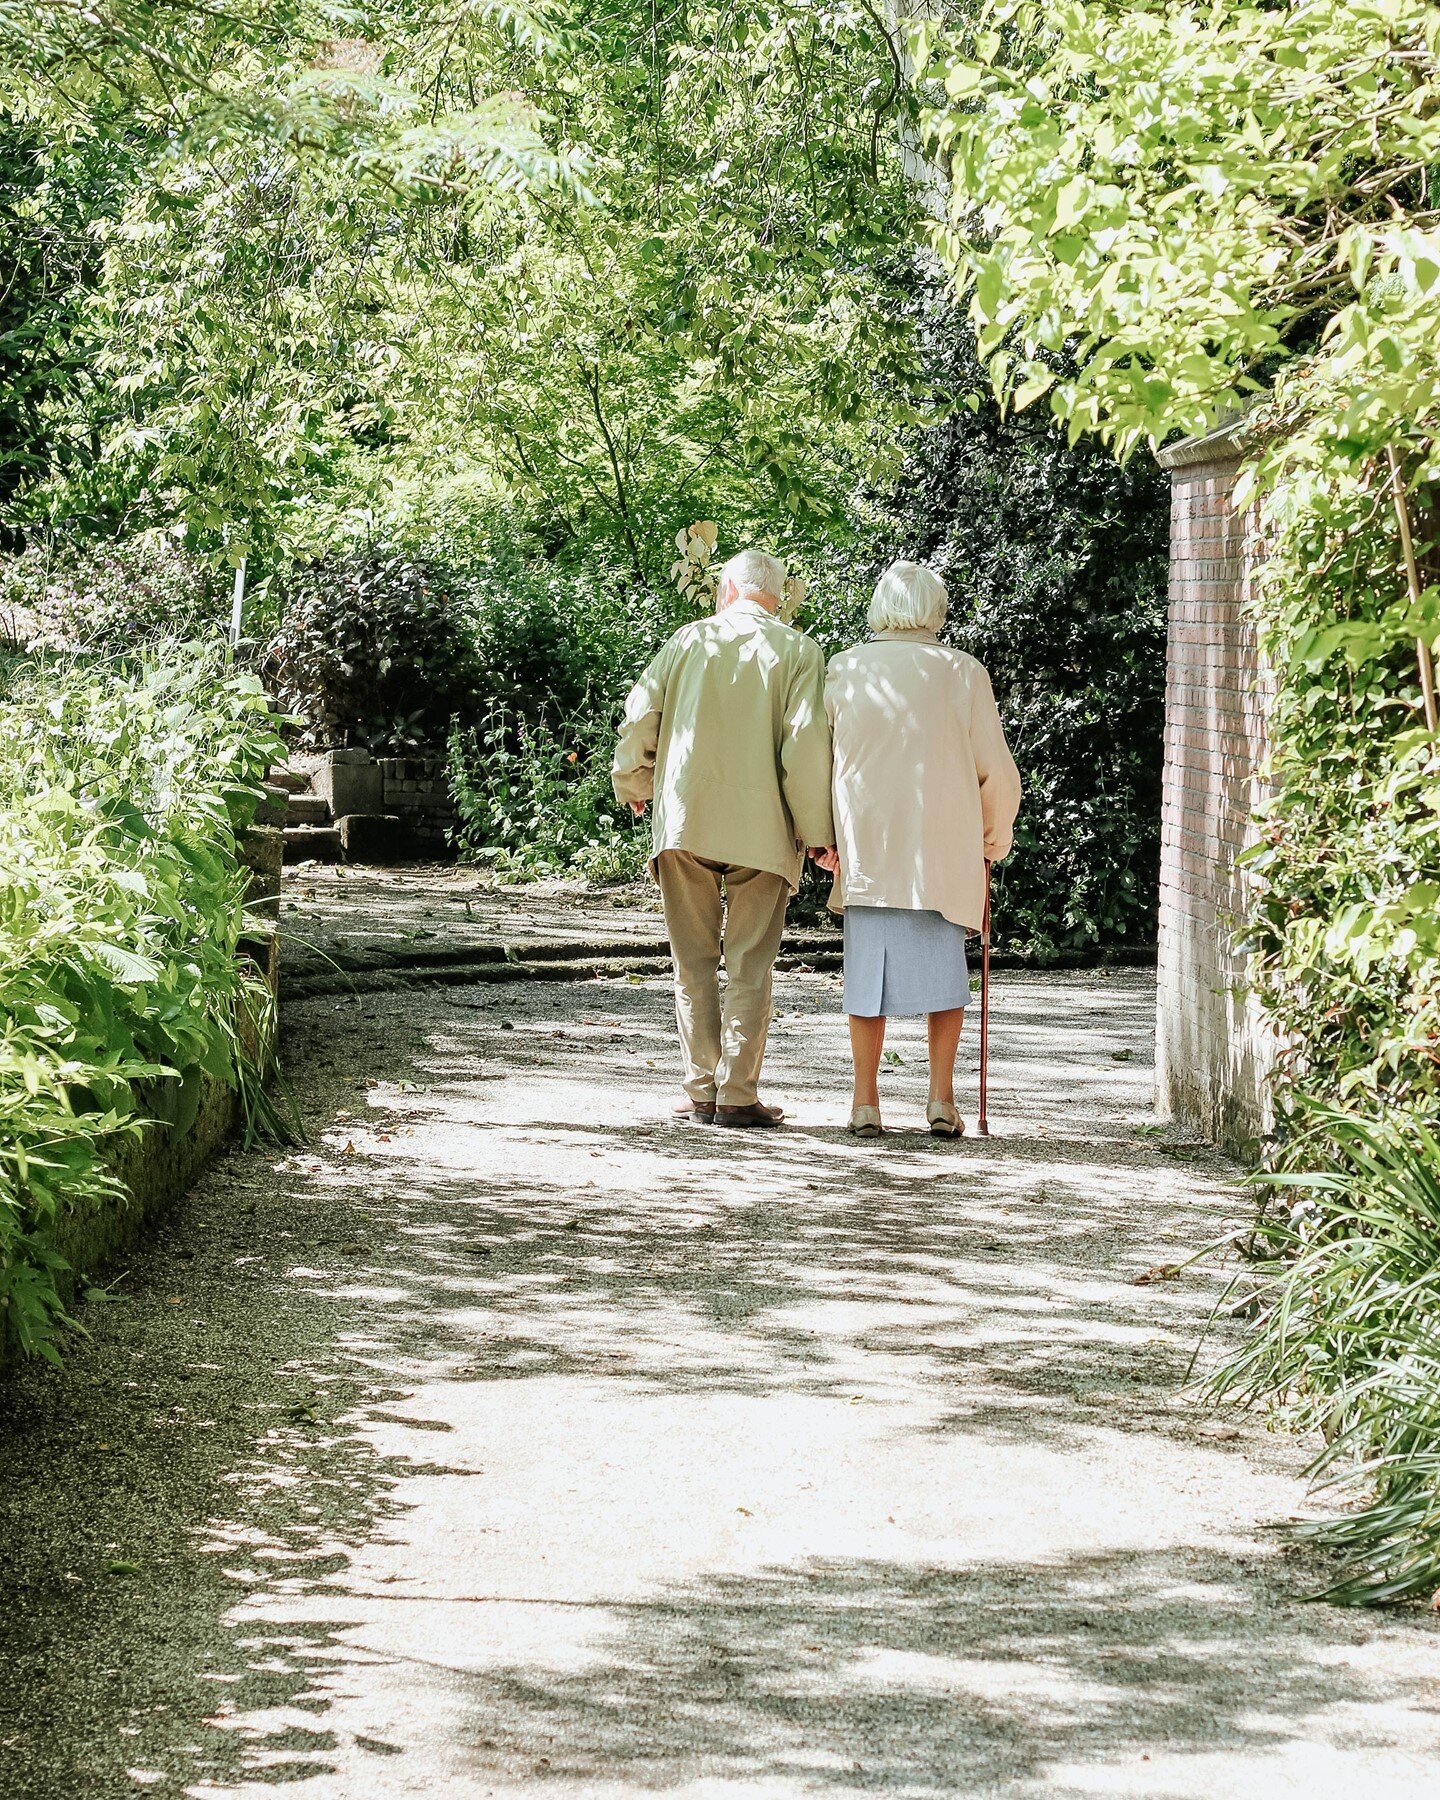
(1412, 577)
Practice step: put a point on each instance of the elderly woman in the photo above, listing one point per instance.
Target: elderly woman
(925, 794)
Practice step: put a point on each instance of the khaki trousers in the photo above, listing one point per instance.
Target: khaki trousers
(722, 1040)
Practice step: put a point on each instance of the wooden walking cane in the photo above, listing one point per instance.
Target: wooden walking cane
(982, 1124)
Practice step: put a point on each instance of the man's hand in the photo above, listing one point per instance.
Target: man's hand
(637, 807)
(828, 858)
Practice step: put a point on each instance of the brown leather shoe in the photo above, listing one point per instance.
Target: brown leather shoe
(756, 1115)
(695, 1112)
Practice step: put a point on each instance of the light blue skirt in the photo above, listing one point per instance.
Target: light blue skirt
(899, 963)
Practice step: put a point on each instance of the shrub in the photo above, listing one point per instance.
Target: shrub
(1344, 931)
(110, 598)
(1056, 560)
(538, 801)
(121, 791)
(1348, 1338)
(373, 647)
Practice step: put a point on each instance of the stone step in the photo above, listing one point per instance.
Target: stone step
(312, 843)
(273, 806)
(294, 781)
(374, 838)
(307, 809)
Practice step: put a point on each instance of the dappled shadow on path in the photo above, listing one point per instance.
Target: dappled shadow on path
(447, 1452)
(901, 1677)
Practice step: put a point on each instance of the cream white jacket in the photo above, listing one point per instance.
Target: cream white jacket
(925, 788)
(725, 732)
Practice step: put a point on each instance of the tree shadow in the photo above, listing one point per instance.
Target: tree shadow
(272, 1399)
(869, 1675)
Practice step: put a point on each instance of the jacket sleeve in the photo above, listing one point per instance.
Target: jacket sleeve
(632, 773)
(805, 750)
(999, 778)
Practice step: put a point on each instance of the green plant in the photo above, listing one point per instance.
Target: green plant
(537, 801)
(113, 597)
(1163, 212)
(1055, 558)
(372, 648)
(121, 792)
(1348, 1338)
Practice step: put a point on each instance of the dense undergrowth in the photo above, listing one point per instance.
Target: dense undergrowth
(449, 627)
(122, 788)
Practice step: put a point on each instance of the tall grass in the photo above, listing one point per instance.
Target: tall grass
(1347, 1341)
(535, 799)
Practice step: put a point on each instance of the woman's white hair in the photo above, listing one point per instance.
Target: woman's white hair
(755, 570)
(908, 597)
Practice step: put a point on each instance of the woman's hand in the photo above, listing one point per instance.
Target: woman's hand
(828, 859)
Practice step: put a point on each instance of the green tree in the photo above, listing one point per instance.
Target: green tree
(267, 166)
(1055, 557)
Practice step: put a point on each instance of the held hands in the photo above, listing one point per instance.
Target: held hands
(637, 807)
(828, 858)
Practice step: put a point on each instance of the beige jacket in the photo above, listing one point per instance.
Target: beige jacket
(726, 733)
(926, 791)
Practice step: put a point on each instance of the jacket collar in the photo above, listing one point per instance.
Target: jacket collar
(750, 609)
(907, 637)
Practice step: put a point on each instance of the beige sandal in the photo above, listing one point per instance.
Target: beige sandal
(943, 1119)
(865, 1122)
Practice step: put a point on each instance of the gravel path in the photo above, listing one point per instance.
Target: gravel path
(513, 1441)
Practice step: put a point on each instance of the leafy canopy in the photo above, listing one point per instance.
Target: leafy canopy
(1189, 195)
(627, 266)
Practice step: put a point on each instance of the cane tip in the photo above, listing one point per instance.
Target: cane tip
(982, 1129)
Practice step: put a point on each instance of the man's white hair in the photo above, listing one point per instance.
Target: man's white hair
(908, 597)
(755, 570)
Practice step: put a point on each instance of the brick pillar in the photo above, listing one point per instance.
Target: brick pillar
(1211, 1052)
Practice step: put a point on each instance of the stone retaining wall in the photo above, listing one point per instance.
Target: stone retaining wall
(416, 790)
(403, 803)
(160, 1163)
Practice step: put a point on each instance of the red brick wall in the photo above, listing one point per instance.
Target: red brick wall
(1211, 1053)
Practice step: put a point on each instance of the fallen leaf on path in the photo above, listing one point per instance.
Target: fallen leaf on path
(1122, 1055)
(121, 1567)
(1161, 1272)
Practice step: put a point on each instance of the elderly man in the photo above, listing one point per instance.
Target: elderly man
(726, 732)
